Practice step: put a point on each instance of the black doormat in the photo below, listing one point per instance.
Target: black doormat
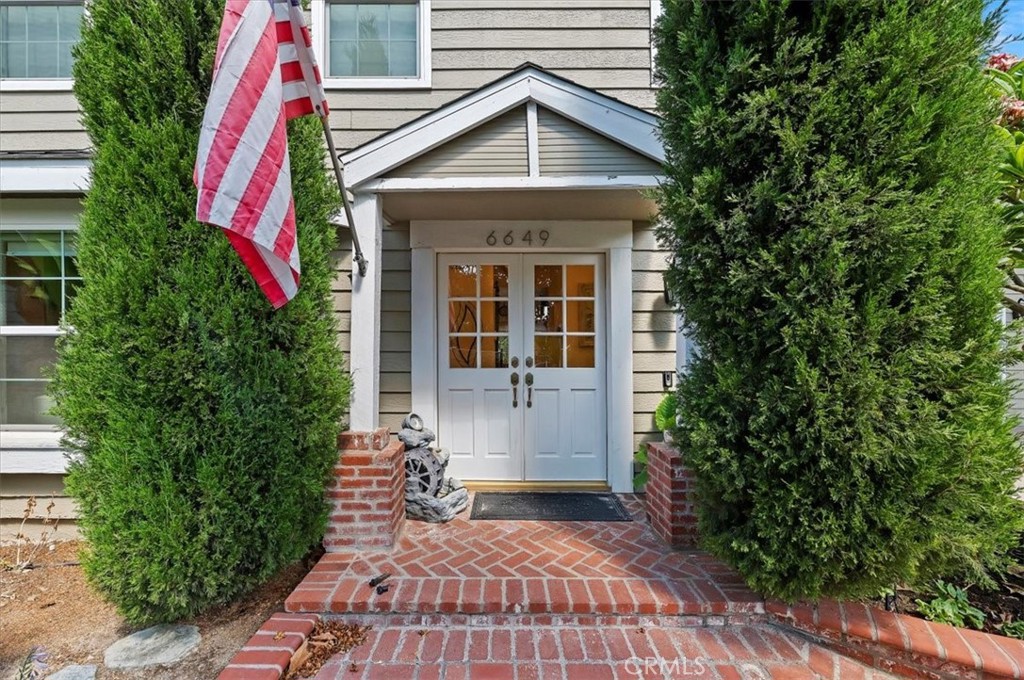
(549, 506)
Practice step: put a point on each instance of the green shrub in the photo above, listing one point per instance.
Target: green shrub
(950, 606)
(204, 423)
(830, 209)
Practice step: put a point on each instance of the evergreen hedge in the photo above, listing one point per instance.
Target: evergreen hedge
(830, 208)
(203, 422)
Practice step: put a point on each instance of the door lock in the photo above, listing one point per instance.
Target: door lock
(515, 362)
(515, 390)
(529, 390)
(529, 362)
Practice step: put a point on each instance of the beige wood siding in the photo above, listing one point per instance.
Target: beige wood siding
(601, 44)
(40, 121)
(654, 338)
(566, 148)
(498, 147)
(15, 492)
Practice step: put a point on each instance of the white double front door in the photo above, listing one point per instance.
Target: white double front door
(521, 366)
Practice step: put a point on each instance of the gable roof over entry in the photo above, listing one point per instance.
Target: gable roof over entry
(529, 124)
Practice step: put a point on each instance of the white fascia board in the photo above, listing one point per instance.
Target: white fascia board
(399, 184)
(629, 126)
(406, 143)
(40, 176)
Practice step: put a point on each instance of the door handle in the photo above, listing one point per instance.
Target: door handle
(515, 390)
(529, 390)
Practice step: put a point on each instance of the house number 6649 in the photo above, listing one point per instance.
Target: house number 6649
(509, 239)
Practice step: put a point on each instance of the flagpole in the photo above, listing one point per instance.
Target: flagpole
(339, 175)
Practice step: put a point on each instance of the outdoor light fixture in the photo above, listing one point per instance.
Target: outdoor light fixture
(664, 284)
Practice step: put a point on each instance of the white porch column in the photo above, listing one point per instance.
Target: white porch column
(620, 377)
(364, 361)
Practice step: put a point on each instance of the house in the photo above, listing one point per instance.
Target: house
(498, 152)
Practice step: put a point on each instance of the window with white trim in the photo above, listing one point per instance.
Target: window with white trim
(370, 44)
(36, 39)
(39, 278)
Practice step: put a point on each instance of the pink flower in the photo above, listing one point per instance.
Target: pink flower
(1013, 112)
(1002, 62)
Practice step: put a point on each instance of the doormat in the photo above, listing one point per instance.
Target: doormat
(549, 506)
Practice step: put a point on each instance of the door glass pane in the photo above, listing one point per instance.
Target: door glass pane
(547, 316)
(462, 351)
(580, 280)
(494, 351)
(580, 351)
(494, 316)
(462, 317)
(462, 280)
(581, 316)
(493, 280)
(547, 281)
(547, 351)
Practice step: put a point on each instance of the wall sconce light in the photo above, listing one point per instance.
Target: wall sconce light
(668, 294)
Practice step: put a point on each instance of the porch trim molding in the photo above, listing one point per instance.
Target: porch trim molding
(399, 184)
(37, 176)
(364, 357)
(629, 126)
(614, 239)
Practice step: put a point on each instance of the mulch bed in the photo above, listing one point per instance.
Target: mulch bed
(1001, 605)
(51, 606)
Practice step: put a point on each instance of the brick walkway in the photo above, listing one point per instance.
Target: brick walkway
(521, 650)
(519, 600)
(528, 567)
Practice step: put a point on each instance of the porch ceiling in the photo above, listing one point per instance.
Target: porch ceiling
(594, 204)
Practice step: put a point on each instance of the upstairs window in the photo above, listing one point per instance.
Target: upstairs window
(369, 44)
(36, 39)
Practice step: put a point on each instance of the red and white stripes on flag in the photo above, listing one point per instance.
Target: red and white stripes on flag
(264, 74)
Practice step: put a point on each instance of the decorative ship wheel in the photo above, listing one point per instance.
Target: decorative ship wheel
(423, 471)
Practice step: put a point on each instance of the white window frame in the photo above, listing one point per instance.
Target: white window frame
(318, 10)
(41, 84)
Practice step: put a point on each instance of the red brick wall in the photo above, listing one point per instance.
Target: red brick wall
(368, 492)
(670, 496)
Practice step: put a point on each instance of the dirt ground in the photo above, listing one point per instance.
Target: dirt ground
(54, 608)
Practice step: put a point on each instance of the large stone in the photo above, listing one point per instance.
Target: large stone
(74, 673)
(414, 439)
(435, 509)
(161, 645)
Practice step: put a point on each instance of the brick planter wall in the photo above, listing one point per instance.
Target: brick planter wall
(368, 492)
(670, 496)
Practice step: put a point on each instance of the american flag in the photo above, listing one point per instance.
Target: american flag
(264, 74)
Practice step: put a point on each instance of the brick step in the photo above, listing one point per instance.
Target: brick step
(604, 596)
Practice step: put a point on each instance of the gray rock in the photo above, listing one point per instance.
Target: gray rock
(434, 509)
(412, 422)
(74, 673)
(161, 645)
(414, 439)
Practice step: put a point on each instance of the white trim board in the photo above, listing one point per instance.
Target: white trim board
(629, 126)
(67, 176)
(612, 238)
(31, 452)
(396, 184)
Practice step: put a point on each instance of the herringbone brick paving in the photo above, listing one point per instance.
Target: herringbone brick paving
(473, 567)
(588, 652)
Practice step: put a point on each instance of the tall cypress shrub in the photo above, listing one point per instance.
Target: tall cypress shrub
(830, 209)
(203, 422)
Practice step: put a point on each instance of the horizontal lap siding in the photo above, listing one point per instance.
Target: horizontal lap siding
(654, 340)
(41, 121)
(497, 147)
(601, 44)
(566, 148)
(395, 325)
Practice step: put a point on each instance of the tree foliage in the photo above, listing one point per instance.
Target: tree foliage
(831, 212)
(203, 423)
